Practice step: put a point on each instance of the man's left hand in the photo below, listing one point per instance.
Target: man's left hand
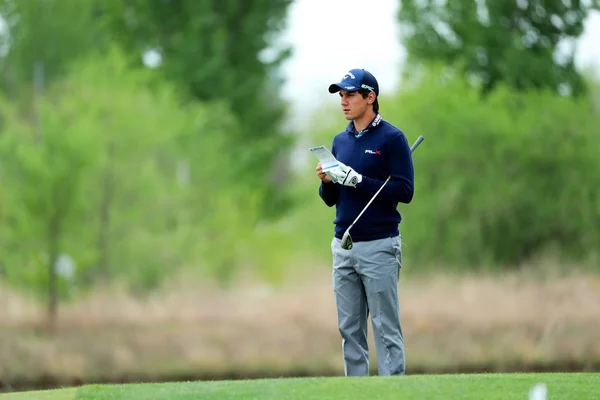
(348, 176)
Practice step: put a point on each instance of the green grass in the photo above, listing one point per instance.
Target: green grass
(580, 386)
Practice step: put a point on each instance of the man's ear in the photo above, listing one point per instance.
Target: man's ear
(372, 98)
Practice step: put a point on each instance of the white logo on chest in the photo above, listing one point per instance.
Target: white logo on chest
(376, 152)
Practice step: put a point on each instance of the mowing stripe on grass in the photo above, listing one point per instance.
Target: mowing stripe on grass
(580, 386)
(57, 394)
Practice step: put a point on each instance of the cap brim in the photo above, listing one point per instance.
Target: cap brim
(336, 87)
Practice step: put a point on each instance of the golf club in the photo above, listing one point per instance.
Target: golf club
(346, 238)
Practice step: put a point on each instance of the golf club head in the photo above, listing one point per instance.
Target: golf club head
(347, 240)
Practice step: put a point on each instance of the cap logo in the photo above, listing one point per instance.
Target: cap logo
(367, 87)
(349, 75)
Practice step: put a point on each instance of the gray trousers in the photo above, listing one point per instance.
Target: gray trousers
(365, 280)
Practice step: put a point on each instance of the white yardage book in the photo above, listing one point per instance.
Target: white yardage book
(329, 163)
(327, 160)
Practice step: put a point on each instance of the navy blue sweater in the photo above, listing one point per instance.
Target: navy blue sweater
(380, 152)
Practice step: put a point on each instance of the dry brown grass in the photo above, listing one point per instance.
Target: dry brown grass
(194, 328)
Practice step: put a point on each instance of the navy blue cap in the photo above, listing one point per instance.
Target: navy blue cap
(356, 79)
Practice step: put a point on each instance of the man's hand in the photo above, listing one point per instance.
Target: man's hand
(349, 176)
(322, 175)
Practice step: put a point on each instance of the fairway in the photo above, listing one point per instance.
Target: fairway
(580, 386)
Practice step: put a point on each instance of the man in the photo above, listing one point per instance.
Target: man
(365, 278)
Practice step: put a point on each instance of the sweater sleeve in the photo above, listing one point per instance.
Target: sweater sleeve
(400, 187)
(330, 192)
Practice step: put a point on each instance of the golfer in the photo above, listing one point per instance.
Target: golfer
(365, 278)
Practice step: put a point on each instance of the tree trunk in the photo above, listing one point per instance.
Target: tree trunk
(53, 231)
(105, 218)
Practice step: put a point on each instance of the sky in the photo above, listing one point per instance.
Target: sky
(325, 46)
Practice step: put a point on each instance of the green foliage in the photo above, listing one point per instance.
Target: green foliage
(499, 181)
(43, 172)
(136, 186)
(216, 50)
(32, 37)
(518, 43)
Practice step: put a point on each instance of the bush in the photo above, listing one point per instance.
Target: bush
(499, 179)
(124, 179)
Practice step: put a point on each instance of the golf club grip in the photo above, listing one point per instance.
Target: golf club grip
(412, 148)
(416, 143)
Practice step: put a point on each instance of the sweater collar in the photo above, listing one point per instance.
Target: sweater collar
(372, 125)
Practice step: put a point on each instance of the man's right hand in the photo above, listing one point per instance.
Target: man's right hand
(322, 175)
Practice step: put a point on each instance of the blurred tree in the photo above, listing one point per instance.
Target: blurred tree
(118, 184)
(220, 50)
(46, 33)
(524, 43)
(43, 195)
(215, 50)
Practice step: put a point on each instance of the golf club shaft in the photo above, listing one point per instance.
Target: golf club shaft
(412, 148)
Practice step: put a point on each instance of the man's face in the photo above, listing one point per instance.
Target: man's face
(354, 105)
